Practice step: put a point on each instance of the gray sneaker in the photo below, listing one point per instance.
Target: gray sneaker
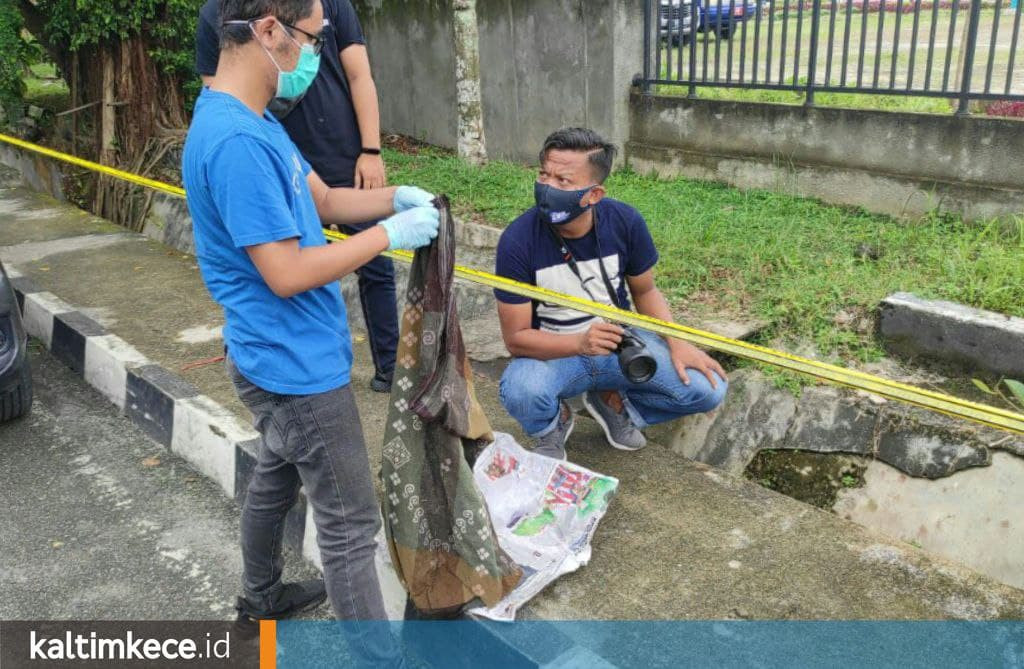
(618, 428)
(553, 443)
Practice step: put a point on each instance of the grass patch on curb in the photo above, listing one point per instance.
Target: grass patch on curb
(814, 272)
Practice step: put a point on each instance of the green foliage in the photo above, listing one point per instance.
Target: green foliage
(983, 387)
(175, 33)
(1015, 398)
(167, 26)
(1017, 388)
(15, 54)
(78, 23)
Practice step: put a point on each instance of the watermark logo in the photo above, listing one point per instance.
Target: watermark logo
(128, 644)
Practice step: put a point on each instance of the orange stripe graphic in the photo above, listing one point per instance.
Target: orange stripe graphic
(268, 644)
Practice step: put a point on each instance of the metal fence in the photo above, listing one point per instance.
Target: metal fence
(963, 50)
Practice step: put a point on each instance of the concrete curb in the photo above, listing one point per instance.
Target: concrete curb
(757, 416)
(973, 338)
(176, 415)
(167, 408)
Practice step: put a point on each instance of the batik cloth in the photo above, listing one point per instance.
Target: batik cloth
(439, 532)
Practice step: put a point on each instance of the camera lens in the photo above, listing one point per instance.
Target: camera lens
(641, 368)
(636, 363)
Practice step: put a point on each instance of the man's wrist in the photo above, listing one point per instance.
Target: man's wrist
(581, 343)
(676, 344)
(369, 151)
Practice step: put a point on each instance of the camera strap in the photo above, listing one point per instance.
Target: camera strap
(570, 260)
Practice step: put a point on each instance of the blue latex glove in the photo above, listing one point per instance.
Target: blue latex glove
(407, 197)
(412, 228)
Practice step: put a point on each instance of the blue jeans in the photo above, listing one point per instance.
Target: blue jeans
(531, 390)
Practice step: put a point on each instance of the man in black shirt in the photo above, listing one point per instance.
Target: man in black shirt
(336, 126)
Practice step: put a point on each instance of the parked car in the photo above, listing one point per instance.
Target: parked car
(733, 13)
(675, 21)
(15, 374)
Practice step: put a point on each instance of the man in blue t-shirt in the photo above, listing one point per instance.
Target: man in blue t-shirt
(336, 125)
(578, 241)
(257, 209)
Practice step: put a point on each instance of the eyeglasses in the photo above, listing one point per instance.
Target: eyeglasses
(317, 40)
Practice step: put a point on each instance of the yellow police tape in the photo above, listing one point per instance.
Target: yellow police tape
(934, 401)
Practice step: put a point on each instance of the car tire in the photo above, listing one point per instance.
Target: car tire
(17, 402)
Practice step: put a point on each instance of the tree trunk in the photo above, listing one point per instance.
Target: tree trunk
(139, 116)
(471, 142)
(108, 116)
(149, 121)
(107, 149)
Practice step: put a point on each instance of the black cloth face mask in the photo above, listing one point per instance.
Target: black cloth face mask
(558, 207)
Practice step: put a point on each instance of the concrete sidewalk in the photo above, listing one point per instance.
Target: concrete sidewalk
(681, 540)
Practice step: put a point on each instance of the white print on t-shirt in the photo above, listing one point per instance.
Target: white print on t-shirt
(297, 175)
(560, 278)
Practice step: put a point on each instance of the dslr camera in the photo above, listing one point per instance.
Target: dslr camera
(637, 364)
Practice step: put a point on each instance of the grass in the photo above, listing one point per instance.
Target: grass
(903, 103)
(814, 272)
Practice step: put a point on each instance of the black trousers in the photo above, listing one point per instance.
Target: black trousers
(380, 308)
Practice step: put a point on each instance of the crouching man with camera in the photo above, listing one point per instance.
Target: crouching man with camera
(578, 241)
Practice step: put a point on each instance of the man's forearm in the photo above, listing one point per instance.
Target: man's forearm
(653, 304)
(289, 269)
(364, 100)
(348, 206)
(543, 345)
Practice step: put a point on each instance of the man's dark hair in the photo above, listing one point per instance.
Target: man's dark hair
(584, 140)
(288, 11)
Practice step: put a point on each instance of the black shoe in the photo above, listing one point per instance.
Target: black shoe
(381, 384)
(293, 598)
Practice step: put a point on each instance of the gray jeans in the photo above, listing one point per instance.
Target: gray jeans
(315, 441)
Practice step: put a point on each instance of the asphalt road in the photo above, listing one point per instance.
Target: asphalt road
(100, 522)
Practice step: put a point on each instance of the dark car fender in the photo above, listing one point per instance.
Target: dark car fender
(13, 338)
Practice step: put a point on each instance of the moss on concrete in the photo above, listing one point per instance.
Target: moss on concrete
(813, 478)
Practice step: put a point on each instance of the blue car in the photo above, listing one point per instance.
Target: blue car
(15, 374)
(733, 13)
